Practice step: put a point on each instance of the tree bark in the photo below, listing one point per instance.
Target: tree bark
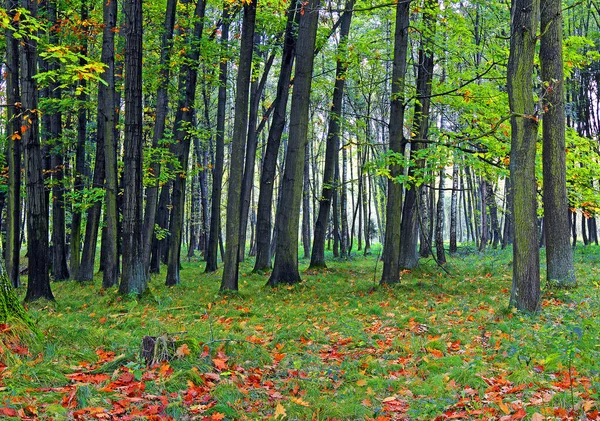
(397, 142)
(306, 204)
(215, 211)
(238, 141)
(267, 178)
(134, 279)
(38, 285)
(559, 254)
(13, 152)
(525, 293)
(184, 119)
(285, 269)
(162, 105)
(317, 259)
(454, 209)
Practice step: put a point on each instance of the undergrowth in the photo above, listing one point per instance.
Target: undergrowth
(336, 346)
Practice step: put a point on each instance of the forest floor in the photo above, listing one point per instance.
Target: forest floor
(337, 346)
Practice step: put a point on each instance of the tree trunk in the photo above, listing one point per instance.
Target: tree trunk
(110, 236)
(38, 285)
(285, 269)
(344, 206)
(508, 236)
(484, 220)
(238, 141)
(306, 204)
(184, 124)
(525, 293)
(493, 207)
(13, 151)
(267, 178)
(391, 246)
(317, 259)
(215, 210)
(454, 209)
(162, 105)
(439, 222)
(134, 279)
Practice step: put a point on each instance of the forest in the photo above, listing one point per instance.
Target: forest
(300, 210)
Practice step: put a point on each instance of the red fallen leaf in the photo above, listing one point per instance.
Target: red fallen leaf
(220, 364)
(435, 352)
(9, 412)
(519, 415)
(217, 416)
(102, 320)
(126, 378)
(88, 378)
(165, 369)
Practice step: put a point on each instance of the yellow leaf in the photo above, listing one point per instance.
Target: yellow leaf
(389, 399)
(280, 411)
(504, 407)
(300, 401)
(361, 382)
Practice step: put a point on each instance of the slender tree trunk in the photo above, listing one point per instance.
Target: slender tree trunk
(344, 206)
(507, 238)
(493, 207)
(454, 209)
(439, 222)
(13, 152)
(110, 236)
(484, 219)
(285, 269)
(184, 119)
(306, 204)
(134, 279)
(267, 178)
(215, 211)
(391, 246)
(525, 293)
(162, 105)
(317, 259)
(38, 285)
(240, 123)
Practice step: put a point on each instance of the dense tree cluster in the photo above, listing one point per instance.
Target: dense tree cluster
(251, 128)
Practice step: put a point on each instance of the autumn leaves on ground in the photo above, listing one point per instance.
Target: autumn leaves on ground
(336, 347)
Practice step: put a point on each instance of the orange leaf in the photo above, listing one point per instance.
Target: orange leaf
(220, 364)
(280, 411)
(182, 351)
(300, 401)
(217, 416)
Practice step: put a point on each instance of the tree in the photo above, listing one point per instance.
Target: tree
(525, 293)
(317, 259)
(215, 211)
(236, 160)
(184, 118)
(267, 177)
(559, 254)
(397, 142)
(285, 269)
(134, 280)
(13, 152)
(38, 285)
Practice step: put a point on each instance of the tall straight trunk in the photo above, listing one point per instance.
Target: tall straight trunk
(162, 105)
(559, 254)
(344, 206)
(194, 219)
(472, 200)
(215, 211)
(184, 119)
(81, 167)
(525, 293)
(584, 235)
(238, 141)
(573, 218)
(409, 255)
(439, 222)
(507, 237)
(454, 219)
(251, 147)
(366, 193)
(60, 270)
(317, 259)
(397, 142)
(160, 245)
(285, 268)
(106, 111)
(484, 220)
(306, 204)
(493, 207)
(336, 210)
(466, 208)
(134, 279)
(86, 267)
(38, 285)
(267, 177)
(204, 201)
(13, 151)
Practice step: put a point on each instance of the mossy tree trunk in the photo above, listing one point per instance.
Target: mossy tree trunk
(525, 293)
(559, 254)
(285, 268)
(391, 245)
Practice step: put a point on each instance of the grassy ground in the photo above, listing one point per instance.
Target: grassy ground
(337, 346)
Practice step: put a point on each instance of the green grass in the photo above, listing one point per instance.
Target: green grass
(336, 346)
